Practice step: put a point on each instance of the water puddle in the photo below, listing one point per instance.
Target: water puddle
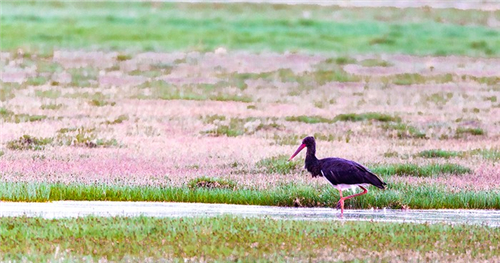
(65, 209)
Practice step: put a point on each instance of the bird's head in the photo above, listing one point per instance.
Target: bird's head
(308, 142)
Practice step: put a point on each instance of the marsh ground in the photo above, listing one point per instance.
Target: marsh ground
(221, 114)
(205, 102)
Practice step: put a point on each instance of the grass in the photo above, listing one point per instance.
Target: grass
(118, 120)
(308, 119)
(6, 92)
(167, 27)
(437, 153)
(488, 154)
(430, 170)
(206, 182)
(375, 63)
(228, 238)
(51, 106)
(396, 196)
(278, 164)
(27, 142)
(166, 91)
(415, 78)
(368, 116)
(10, 116)
(290, 139)
(404, 131)
(238, 126)
(83, 137)
(461, 132)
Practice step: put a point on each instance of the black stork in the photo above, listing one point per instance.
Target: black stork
(341, 173)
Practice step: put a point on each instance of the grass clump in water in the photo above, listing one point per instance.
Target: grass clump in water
(206, 182)
(430, 170)
(27, 142)
(278, 164)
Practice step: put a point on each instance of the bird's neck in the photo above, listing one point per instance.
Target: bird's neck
(312, 164)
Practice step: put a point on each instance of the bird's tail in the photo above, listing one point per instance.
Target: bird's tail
(376, 181)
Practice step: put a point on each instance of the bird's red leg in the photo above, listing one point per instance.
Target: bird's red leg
(351, 196)
(341, 201)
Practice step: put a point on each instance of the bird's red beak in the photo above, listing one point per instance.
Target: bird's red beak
(302, 146)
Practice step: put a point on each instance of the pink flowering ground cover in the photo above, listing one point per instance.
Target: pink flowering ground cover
(164, 119)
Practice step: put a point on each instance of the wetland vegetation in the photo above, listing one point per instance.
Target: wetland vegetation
(206, 102)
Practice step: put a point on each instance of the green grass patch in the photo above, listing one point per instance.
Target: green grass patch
(7, 91)
(51, 106)
(101, 102)
(342, 60)
(461, 132)
(238, 126)
(404, 131)
(368, 116)
(429, 170)
(27, 142)
(409, 79)
(217, 92)
(488, 154)
(375, 63)
(437, 153)
(415, 78)
(118, 120)
(83, 137)
(396, 196)
(36, 81)
(228, 238)
(309, 119)
(10, 116)
(83, 77)
(278, 164)
(293, 139)
(205, 27)
(206, 182)
(288, 139)
(123, 57)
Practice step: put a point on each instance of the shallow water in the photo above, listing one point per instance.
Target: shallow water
(64, 209)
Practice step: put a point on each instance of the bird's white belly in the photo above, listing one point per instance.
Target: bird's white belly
(342, 187)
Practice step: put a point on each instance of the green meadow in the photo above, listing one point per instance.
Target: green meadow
(44, 26)
(239, 239)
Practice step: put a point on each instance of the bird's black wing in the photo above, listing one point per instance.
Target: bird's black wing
(342, 171)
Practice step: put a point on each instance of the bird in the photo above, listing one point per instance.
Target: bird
(341, 173)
